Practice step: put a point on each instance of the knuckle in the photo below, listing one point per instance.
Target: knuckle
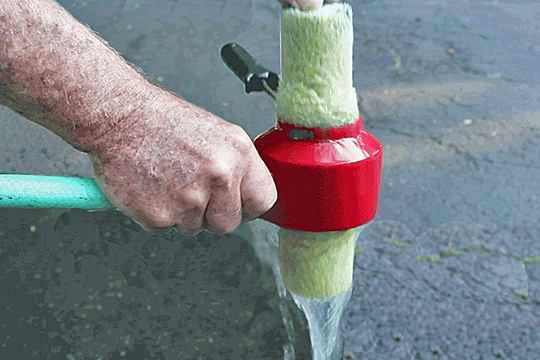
(192, 206)
(241, 141)
(160, 221)
(154, 216)
(221, 175)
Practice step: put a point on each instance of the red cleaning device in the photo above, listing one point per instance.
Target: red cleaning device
(327, 179)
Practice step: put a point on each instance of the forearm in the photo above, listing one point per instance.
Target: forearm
(56, 72)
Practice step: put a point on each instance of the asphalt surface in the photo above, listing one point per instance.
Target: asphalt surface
(449, 269)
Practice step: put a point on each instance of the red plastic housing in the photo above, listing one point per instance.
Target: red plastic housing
(327, 179)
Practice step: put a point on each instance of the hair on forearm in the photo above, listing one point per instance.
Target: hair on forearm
(61, 74)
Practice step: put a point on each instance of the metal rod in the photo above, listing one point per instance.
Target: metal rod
(269, 91)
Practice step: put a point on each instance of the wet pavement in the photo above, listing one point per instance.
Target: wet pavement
(449, 269)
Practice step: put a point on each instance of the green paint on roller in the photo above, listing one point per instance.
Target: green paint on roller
(317, 264)
(317, 91)
(317, 66)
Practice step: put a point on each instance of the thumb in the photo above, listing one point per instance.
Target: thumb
(304, 4)
(258, 190)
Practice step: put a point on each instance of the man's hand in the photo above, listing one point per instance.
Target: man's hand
(159, 159)
(304, 4)
(177, 165)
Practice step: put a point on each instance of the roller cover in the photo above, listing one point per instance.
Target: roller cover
(317, 66)
(317, 265)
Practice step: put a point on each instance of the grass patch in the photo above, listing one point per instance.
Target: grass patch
(401, 243)
(397, 58)
(359, 250)
(453, 252)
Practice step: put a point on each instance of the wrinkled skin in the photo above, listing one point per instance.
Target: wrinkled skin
(178, 166)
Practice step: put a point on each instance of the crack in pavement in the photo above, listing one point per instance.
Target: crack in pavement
(465, 153)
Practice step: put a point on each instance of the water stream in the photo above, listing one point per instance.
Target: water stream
(323, 315)
(324, 321)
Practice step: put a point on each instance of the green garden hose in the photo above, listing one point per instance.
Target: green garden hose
(60, 192)
(48, 192)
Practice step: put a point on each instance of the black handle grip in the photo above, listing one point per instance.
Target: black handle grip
(243, 65)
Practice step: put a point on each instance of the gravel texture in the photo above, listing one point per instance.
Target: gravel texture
(94, 285)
